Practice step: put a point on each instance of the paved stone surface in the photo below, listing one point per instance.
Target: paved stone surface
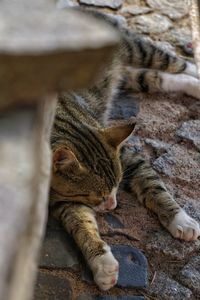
(168, 289)
(113, 221)
(103, 3)
(173, 9)
(149, 23)
(52, 287)
(179, 162)
(89, 297)
(125, 106)
(163, 243)
(190, 130)
(190, 274)
(59, 251)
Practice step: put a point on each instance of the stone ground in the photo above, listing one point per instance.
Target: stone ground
(153, 265)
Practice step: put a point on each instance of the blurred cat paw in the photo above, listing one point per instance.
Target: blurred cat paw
(184, 227)
(105, 269)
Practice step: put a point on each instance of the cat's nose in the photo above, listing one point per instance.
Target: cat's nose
(111, 202)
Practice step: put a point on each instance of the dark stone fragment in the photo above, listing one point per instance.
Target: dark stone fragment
(113, 221)
(124, 107)
(132, 267)
(51, 287)
(59, 251)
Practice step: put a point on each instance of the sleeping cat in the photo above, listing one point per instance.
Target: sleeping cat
(89, 157)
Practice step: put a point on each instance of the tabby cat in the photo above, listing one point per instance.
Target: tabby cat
(89, 157)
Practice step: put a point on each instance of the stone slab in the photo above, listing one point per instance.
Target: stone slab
(51, 287)
(59, 251)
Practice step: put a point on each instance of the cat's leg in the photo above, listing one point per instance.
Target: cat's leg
(79, 221)
(142, 53)
(140, 179)
(145, 80)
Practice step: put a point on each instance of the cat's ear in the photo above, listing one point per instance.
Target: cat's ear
(64, 160)
(116, 135)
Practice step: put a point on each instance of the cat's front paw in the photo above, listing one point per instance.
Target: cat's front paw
(184, 227)
(105, 270)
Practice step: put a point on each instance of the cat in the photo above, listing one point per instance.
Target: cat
(90, 157)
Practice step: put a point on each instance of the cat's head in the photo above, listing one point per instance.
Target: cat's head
(89, 171)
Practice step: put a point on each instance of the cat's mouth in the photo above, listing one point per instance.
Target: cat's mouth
(109, 203)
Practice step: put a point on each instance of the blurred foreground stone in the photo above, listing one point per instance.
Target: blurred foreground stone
(42, 51)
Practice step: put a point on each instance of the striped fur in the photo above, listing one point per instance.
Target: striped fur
(88, 160)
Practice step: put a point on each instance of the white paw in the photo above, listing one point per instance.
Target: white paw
(191, 70)
(184, 227)
(105, 270)
(181, 83)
